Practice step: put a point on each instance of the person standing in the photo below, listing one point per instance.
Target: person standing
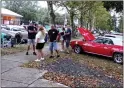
(53, 37)
(31, 37)
(40, 42)
(62, 34)
(68, 33)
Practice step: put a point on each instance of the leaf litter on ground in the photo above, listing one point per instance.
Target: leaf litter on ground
(106, 65)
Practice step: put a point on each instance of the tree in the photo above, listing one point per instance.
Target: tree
(84, 7)
(91, 13)
(102, 17)
(43, 16)
(27, 9)
(118, 5)
(121, 23)
(51, 12)
(71, 7)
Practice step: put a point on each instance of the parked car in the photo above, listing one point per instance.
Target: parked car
(121, 34)
(105, 46)
(114, 36)
(13, 30)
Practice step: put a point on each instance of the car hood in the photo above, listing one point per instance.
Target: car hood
(86, 34)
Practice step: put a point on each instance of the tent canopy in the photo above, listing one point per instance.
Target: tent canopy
(7, 12)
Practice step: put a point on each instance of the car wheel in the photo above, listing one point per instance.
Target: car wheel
(77, 49)
(118, 58)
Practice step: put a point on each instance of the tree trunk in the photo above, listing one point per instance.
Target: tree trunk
(90, 20)
(93, 22)
(72, 23)
(81, 19)
(51, 12)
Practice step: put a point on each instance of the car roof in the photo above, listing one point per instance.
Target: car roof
(112, 35)
(113, 38)
(116, 41)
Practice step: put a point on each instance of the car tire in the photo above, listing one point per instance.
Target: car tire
(77, 49)
(118, 58)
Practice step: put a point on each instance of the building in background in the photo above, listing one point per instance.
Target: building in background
(9, 17)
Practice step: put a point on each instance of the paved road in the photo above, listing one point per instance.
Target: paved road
(15, 76)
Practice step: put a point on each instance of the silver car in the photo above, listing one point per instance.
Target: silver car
(13, 30)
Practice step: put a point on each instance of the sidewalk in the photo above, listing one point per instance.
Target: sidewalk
(15, 76)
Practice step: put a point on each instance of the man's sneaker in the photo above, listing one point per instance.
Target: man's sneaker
(34, 53)
(51, 57)
(26, 53)
(42, 59)
(58, 56)
(37, 60)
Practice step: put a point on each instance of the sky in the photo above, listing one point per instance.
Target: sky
(44, 5)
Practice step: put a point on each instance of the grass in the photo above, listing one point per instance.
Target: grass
(13, 50)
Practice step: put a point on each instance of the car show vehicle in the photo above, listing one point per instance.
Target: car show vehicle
(102, 45)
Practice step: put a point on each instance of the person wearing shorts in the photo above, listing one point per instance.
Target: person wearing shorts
(53, 36)
(40, 42)
(31, 37)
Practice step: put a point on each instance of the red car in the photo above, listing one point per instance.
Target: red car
(102, 45)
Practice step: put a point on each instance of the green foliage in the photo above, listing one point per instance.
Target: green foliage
(118, 5)
(93, 13)
(43, 16)
(27, 9)
(102, 18)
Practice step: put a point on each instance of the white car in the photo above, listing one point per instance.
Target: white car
(114, 36)
(14, 29)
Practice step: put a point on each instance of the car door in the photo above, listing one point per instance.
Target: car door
(95, 46)
(107, 47)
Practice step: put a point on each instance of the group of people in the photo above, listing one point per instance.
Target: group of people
(37, 35)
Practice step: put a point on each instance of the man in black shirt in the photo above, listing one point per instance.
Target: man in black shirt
(31, 37)
(53, 36)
